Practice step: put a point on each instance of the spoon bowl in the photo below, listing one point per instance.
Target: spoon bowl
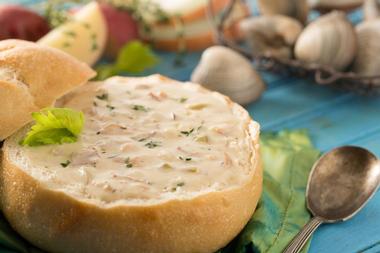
(341, 182)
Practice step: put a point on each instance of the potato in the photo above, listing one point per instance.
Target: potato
(17, 22)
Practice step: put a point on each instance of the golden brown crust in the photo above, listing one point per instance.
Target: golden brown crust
(58, 222)
(40, 76)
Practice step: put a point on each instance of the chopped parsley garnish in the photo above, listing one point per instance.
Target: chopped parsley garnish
(182, 100)
(187, 159)
(187, 133)
(128, 163)
(104, 96)
(180, 184)
(94, 46)
(140, 108)
(65, 164)
(110, 107)
(142, 139)
(71, 33)
(153, 144)
(66, 44)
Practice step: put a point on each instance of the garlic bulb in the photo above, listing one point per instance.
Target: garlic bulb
(271, 35)
(367, 61)
(371, 9)
(330, 40)
(297, 9)
(226, 71)
(328, 5)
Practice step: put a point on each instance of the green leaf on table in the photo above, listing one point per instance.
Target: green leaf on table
(288, 157)
(54, 126)
(134, 57)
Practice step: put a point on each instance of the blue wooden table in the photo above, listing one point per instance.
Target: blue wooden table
(333, 118)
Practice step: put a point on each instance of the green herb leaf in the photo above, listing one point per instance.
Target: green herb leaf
(105, 70)
(54, 126)
(134, 57)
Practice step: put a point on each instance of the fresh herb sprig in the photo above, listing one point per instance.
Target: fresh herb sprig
(54, 126)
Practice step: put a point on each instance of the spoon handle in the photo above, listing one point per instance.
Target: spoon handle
(301, 238)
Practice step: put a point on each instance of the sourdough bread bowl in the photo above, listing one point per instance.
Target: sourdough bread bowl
(161, 166)
(33, 77)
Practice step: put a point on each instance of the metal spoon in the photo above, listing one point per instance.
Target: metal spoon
(340, 184)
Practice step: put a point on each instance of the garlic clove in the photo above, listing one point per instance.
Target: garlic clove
(371, 9)
(330, 40)
(297, 9)
(226, 71)
(367, 61)
(271, 35)
(328, 5)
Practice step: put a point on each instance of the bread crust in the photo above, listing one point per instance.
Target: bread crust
(40, 76)
(58, 222)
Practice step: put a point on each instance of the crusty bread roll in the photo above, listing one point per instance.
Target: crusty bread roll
(33, 77)
(160, 166)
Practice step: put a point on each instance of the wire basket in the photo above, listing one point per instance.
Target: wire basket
(321, 74)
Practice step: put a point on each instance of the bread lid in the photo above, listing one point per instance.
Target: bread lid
(33, 77)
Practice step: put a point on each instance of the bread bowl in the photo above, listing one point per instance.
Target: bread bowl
(33, 77)
(161, 166)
